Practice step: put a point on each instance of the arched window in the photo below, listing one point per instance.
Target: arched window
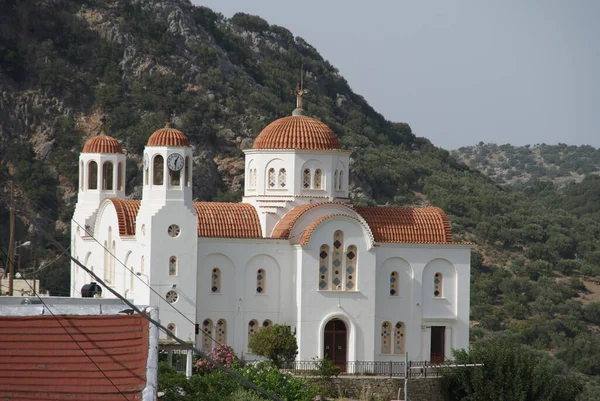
(335, 180)
(394, 284)
(107, 176)
(386, 338)
(120, 176)
(172, 328)
(336, 266)
(106, 263)
(399, 338)
(438, 285)
(93, 175)
(221, 337)
(207, 327)
(271, 178)
(215, 282)
(281, 178)
(81, 176)
(158, 171)
(254, 178)
(324, 267)
(306, 178)
(260, 281)
(113, 251)
(174, 177)
(252, 328)
(267, 323)
(341, 181)
(318, 178)
(351, 268)
(173, 266)
(187, 172)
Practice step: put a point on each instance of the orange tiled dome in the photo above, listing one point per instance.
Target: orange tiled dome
(102, 144)
(168, 137)
(297, 132)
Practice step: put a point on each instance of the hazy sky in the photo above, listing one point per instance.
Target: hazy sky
(459, 72)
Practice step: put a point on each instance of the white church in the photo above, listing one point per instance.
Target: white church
(354, 283)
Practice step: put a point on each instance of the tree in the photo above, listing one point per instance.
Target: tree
(276, 343)
(511, 372)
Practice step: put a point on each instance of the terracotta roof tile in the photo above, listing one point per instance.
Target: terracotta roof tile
(305, 238)
(387, 224)
(428, 225)
(227, 220)
(284, 226)
(40, 361)
(168, 137)
(297, 132)
(127, 210)
(102, 144)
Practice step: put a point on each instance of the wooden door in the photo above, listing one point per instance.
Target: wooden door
(438, 343)
(336, 339)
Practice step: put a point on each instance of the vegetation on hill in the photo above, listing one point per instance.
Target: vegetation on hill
(518, 165)
(65, 64)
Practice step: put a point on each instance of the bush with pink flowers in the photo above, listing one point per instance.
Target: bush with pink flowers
(223, 354)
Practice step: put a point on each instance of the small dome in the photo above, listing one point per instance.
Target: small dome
(297, 132)
(102, 144)
(168, 137)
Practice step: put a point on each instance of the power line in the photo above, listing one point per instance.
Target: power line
(41, 216)
(71, 336)
(89, 234)
(168, 332)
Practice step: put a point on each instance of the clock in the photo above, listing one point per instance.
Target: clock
(175, 162)
(146, 161)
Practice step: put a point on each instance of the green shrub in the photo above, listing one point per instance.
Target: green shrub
(277, 343)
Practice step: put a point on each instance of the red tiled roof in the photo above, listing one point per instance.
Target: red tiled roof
(168, 137)
(284, 226)
(305, 238)
(127, 210)
(227, 220)
(40, 361)
(428, 225)
(297, 132)
(388, 224)
(102, 144)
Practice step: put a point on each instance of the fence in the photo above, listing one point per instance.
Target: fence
(373, 368)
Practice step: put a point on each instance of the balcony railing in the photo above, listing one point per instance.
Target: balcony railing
(373, 368)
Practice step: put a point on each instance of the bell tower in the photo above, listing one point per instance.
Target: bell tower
(167, 167)
(167, 227)
(101, 176)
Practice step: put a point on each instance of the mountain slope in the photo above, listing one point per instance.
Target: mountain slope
(64, 65)
(517, 165)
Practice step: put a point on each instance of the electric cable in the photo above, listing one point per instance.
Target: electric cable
(71, 336)
(89, 234)
(165, 330)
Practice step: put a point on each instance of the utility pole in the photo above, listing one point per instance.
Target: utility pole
(11, 245)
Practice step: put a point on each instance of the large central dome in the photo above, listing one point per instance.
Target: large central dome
(297, 132)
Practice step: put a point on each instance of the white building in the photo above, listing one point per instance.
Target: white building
(355, 283)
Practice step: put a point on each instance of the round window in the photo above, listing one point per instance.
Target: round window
(172, 297)
(174, 230)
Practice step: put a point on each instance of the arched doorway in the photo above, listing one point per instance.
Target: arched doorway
(335, 342)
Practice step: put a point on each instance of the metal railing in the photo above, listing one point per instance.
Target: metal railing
(416, 369)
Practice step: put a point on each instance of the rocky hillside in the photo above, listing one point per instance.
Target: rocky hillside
(65, 65)
(517, 165)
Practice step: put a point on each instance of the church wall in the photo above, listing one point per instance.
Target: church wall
(356, 308)
(238, 300)
(157, 247)
(421, 310)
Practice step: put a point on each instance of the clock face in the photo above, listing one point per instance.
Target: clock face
(175, 162)
(146, 162)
